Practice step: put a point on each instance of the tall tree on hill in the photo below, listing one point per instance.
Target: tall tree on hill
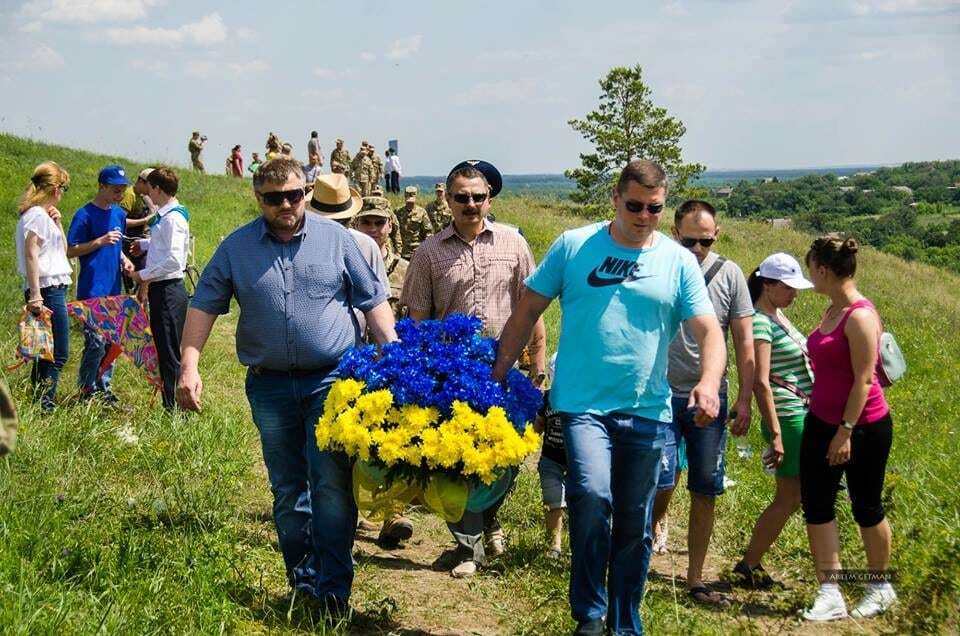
(626, 126)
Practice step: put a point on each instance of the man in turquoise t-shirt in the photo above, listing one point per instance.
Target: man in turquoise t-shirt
(624, 289)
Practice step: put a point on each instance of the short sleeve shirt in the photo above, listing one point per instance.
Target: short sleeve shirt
(52, 261)
(99, 269)
(447, 275)
(296, 297)
(621, 308)
(787, 360)
(731, 299)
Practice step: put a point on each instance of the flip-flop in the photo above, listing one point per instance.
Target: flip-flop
(705, 596)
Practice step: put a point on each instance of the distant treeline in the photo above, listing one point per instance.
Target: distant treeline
(911, 210)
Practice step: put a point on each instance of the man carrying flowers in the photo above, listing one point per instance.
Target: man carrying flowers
(477, 268)
(296, 278)
(624, 288)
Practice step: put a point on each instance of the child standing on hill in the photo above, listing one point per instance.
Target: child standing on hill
(552, 469)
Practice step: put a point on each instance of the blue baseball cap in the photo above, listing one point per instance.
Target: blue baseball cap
(113, 175)
(489, 171)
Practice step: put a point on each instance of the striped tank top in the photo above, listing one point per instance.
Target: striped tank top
(787, 360)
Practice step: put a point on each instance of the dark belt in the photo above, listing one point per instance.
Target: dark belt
(288, 373)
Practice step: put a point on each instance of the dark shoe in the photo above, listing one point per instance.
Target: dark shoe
(592, 627)
(395, 531)
(751, 579)
(705, 596)
(335, 610)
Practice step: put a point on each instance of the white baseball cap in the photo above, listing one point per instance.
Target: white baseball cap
(784, 268)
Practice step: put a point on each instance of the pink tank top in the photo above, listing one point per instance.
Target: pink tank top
(833, 375)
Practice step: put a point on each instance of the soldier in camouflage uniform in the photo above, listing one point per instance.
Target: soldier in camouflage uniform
(377, 167)
(364, 171)
(355, 164)
(376, 220)
(195, 147)
(438, 210)
(415, 225)
(339, 159)
(376, 199)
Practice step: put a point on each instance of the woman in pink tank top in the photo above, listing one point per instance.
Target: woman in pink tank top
(848, 431)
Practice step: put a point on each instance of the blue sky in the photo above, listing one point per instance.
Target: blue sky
(763, 84)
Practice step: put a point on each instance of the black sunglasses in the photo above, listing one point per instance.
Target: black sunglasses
(690, 242)
(637, 208)
(464, 199)
(293, 197)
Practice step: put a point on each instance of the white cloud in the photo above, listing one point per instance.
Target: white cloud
(252, 67)
(245, 34)
(156, 67)
(898, 7)
(405, 47)
(869, 56)
(87, 11)
(331, 73)
(367, 56)
(40, 58)
(207, 69)
(676, 9)
(207, 31)
(31, 27)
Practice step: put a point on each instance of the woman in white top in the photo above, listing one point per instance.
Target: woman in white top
(43, 265)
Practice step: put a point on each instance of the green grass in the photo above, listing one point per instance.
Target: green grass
(170, 534)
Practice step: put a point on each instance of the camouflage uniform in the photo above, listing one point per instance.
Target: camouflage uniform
(196, 147)
(378, 201)
(377, 167)
(339, 161)
(415, 226)
(364, 174)
(396, 273)
(439, 213)
(8, 412)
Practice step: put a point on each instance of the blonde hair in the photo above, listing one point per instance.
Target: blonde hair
(47, 177)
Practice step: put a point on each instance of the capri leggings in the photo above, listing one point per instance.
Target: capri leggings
(869, 449)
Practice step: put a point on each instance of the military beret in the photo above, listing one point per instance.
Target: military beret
(489, 172)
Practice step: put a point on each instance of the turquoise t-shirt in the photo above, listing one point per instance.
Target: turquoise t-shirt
(621, 307)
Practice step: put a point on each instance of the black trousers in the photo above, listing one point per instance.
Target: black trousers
(168, 311)
(394, 182)
(869, 450)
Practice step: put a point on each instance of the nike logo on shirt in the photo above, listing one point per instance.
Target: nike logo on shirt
(614, 271)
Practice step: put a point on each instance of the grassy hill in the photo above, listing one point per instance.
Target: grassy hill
(135, 522)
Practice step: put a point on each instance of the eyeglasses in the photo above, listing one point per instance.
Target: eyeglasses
(292, 197)
(690, 242)
(463, 198)
(637, 208)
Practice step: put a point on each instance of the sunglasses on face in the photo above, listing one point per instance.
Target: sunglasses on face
(637, 207)
(690, 242)
(464, 199)
(292, 197)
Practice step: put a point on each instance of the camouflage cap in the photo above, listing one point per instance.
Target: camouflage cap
(410, 192)
(440, 187)
(377, 191)
(375, 206)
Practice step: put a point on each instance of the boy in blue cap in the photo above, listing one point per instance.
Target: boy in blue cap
(95, 237)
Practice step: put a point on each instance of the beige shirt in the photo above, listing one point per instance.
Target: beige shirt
(447, 275)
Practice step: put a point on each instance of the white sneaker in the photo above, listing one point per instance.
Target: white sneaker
(828, 606)
(876, 600)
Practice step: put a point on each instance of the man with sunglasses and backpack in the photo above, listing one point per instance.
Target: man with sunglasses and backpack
(695, 228)
(475, 267)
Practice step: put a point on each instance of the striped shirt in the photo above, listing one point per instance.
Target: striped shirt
(787, 360)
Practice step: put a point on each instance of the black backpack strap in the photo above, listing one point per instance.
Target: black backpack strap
(713, 270)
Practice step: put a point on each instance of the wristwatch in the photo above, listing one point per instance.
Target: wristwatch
(847, 425)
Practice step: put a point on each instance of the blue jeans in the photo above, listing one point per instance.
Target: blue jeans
(45, 375)
(705, 448)
(94, 349)
(613, 463)
(313, 505)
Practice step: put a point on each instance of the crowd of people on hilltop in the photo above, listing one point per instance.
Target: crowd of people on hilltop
(637, 392)
(365, 169)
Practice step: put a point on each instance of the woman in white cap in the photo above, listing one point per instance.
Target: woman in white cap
(782, 384)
